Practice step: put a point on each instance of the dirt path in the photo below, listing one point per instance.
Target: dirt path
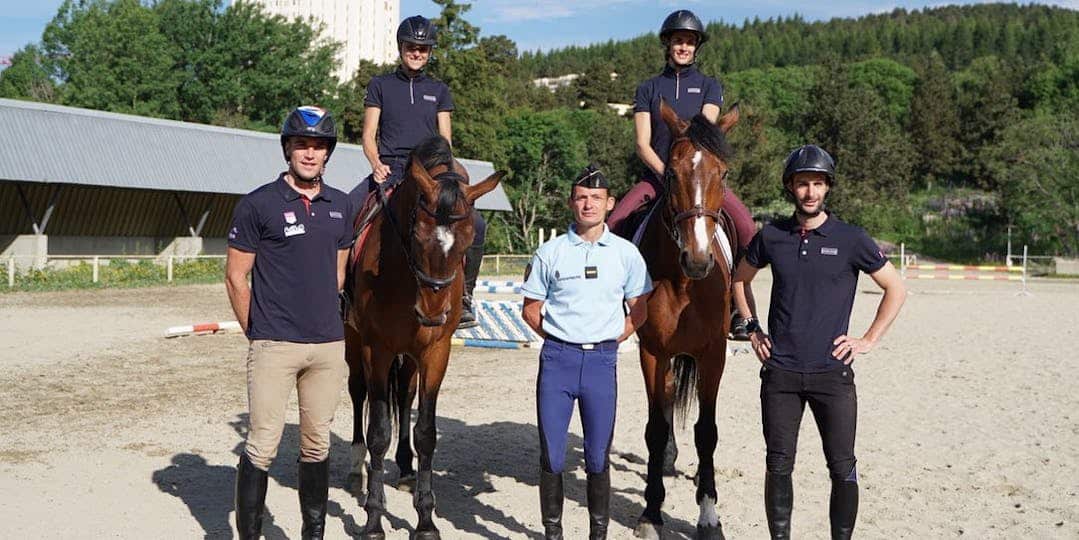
(969, 427)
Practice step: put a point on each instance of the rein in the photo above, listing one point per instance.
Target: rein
(422, 278)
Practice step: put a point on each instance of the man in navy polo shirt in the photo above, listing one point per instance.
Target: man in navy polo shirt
(583, 278)
(815, 259)
(292, 235)
(401, 109)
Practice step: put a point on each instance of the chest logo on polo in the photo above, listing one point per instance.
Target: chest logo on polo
(293, 230)
(559, 277)
(432, 99)
(336, 215)
(591, 272)
(290, 217)
(693, 90)
(829, 251)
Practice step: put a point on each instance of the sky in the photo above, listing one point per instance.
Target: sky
(544, 24)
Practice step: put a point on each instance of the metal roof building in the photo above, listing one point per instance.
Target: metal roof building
(95, 180)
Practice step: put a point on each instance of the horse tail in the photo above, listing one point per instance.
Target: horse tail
(685, 384)
(393, 391)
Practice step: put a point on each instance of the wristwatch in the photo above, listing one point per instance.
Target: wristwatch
(752, 325)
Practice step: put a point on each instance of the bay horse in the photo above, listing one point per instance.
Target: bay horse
(688, 311)
(406, 285)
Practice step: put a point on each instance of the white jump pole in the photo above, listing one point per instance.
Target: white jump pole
(96, 265)
(168, 270)
(1024, 292)
(902, 259)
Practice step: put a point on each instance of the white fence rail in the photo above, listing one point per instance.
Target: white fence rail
(96, 261)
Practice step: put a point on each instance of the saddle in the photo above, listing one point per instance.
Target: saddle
(726, 238)
(372, 205)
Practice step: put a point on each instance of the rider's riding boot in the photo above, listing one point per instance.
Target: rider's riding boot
(843, 509)
(314, 490)
(551, 504)
(778, 501)
(250, 498)
(738, 327)
(473, 260)
(599, 504)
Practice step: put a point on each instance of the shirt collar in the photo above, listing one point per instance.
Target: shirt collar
(403, 75)
(604, 239)
(824, 230)
(669, 71)
(290, 194)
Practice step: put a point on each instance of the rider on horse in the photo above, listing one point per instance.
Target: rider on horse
(689, 92)
(402, 109)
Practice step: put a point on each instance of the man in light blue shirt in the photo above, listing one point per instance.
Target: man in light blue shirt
(586, 279)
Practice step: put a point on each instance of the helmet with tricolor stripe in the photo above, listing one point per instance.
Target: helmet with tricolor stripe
(309, 121)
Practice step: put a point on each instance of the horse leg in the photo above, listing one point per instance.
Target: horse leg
(357, 390)
(705, 437)
(670, 453)
(650, 524)
(431, 371)
(379, 431)
(406, 392)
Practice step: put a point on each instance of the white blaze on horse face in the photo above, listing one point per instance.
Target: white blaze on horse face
(445, 238)
(700, 229)
(708, 516)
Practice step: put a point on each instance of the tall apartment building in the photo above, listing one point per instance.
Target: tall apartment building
(366, 29)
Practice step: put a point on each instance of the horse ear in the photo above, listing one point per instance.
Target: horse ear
(428, 186)
(669, 117)
(475, 192)
(727, 121)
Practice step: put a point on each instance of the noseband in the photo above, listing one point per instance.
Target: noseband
(422, 278)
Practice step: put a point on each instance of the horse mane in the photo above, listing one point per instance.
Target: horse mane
(705, 134)
(432, 152)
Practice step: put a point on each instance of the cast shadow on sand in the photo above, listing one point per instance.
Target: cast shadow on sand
(468, 457)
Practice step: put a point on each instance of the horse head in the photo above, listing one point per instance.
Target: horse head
(441, 231)
(694, 176)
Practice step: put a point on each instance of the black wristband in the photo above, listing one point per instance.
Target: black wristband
(753, 325)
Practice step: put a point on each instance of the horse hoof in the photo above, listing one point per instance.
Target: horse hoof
(407, 483)
(706, 532)
(427, 535)
(648, 530)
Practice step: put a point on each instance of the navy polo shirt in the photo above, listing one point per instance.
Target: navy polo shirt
(409, 110)
(814, 278)
(686, 91)
(295, 242)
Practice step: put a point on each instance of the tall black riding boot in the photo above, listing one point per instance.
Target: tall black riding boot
(778, 502)
(843, 509)
(314, 490)
(551, 504)
(473, 261)
(599, 504)
(250, 499)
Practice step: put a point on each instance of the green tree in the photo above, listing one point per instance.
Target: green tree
(1036, 163)
(873, 158)
(934, 124)
(112, 56)
(28, 77)
(349, 107)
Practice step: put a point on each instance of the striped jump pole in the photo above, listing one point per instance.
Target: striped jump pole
(499, 287)
(203, 328)
(960, 272)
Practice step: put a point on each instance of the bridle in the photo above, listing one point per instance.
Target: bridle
(422, 278)
(675, 216)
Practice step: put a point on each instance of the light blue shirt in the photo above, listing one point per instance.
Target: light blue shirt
(584, 285)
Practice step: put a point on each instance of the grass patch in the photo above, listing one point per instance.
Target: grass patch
(119, 274)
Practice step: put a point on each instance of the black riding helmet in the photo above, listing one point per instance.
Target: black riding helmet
(309, 121)
(416, 29)
(682, 19)
(809, 158)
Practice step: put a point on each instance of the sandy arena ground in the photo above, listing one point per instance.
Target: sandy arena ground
(969, 426)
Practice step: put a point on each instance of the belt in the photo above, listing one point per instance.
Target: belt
(608, 345)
